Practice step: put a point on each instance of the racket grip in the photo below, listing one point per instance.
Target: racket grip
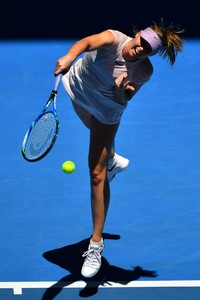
(57, 82)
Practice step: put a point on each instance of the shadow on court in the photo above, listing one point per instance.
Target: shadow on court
(70, 258)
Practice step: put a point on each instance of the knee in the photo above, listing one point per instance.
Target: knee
(97, 176)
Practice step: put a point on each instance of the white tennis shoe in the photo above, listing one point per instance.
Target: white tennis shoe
(115, 165)
(92, 262)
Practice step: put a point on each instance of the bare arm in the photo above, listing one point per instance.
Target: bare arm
(86, 44)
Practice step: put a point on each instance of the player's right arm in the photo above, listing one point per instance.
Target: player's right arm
(90, 43)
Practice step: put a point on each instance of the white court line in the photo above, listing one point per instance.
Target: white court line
(18, 286)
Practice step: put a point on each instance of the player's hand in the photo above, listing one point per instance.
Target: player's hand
(122, 82)
(63, 65)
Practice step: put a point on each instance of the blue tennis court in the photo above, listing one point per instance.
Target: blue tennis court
(152, 230)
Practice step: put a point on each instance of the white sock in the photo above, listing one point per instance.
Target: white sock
(96, 243)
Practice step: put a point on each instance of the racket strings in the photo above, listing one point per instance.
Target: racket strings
(41, 136)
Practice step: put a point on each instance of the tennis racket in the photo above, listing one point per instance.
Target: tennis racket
(42, 133)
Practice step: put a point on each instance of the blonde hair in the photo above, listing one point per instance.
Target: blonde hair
(172, 42)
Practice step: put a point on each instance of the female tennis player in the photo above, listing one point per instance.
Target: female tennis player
(100, 83)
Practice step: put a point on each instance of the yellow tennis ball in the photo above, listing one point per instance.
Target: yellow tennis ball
(68, 167)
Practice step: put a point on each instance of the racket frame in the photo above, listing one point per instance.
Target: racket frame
(52, 98)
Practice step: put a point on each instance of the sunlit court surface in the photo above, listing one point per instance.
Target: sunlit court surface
(152, 230)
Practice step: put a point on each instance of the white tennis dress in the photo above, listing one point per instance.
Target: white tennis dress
(90, 82)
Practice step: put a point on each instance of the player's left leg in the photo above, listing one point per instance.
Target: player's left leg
(101, 141)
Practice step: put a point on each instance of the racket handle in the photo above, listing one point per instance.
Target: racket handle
(57, 82)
